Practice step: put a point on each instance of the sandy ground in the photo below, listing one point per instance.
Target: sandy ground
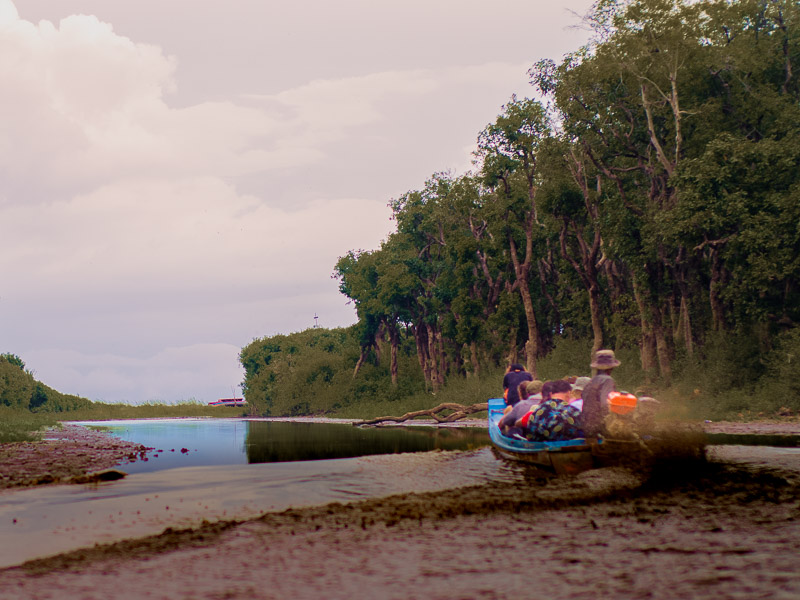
(726, 528)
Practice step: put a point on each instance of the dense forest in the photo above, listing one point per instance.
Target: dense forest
(645, 197)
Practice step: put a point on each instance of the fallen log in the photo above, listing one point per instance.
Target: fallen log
(459, 411)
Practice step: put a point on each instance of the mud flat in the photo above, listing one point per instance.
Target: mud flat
(725, 528)
(64, 455)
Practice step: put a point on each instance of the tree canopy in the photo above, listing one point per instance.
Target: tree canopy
(645, 196)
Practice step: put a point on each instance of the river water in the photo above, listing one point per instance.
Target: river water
(208, 470)
(176, 443)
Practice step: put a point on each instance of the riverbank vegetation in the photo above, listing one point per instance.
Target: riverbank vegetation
(313, 372)
(646, 198)
(28, 406)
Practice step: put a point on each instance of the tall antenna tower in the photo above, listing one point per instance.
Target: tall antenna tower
(316, 319)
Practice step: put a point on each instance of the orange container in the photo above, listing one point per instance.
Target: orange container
(621, 402)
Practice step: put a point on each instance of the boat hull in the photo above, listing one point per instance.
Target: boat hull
(570, 457)
(564, 458)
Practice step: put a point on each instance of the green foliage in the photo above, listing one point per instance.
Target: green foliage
(101, 411)
(13, 359)
(20, 425)
(16, 386)
(661, 213)
(19, 390)
(311, 373)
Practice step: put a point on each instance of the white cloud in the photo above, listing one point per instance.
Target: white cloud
(146, 239)
(172, 233)
(90, 107)
(201, 372)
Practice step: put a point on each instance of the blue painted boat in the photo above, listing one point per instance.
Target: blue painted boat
(564, 458)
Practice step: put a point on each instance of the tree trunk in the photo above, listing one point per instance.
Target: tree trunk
(512, 348)
(394, 340)
(717, 309)
(473, 354)
(522, 273)
(597, 323)
(422, 354)
(532, 345)
(442, 369)
(360, 362)
(648, 343)
(687, 325)
(662, 345)
(377, 345)
(433, 362)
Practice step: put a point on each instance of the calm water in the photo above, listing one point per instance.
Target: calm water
(238, 469)
(218, 442)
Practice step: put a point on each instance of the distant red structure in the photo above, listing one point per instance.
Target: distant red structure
(228, 402)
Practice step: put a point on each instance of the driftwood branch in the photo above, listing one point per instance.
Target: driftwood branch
(458, 411)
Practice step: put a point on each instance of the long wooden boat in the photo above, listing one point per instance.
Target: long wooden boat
(674, 443)
(564, 458)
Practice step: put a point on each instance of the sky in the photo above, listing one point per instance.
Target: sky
(179, 177)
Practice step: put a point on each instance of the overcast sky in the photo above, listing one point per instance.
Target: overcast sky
(179, 177)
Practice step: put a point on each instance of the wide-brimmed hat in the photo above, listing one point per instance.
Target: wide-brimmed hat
(581, 382)
(605, 359)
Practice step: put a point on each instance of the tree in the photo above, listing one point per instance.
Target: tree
(507, 151)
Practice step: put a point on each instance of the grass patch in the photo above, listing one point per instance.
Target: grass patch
(19, 425)
(100, 411)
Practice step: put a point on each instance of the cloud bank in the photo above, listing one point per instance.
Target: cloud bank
(146, 240)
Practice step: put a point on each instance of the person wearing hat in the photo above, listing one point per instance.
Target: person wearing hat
(515, 374)
(595, 394)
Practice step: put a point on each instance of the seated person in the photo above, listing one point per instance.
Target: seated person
(529, 392)
(533, 390)
(554, 419)
(515, 374)
(576, 395)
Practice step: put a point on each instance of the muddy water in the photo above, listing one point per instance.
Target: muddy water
(697, 530)
(39, 522)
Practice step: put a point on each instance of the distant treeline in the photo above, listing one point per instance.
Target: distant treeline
(20, 390)
(649, 202)
(651, 199)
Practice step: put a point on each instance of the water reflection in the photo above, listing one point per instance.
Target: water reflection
(284, 442)
(751, 439)
(218, 442)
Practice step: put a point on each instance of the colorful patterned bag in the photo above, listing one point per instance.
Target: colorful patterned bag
(553, 421)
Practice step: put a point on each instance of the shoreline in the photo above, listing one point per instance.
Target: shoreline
(74, 452)
(712, 529)
(68, 454)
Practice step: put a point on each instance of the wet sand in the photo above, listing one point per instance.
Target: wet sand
(727, 528)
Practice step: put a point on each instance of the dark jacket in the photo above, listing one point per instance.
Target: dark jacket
(595, 403)
(511, 383)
